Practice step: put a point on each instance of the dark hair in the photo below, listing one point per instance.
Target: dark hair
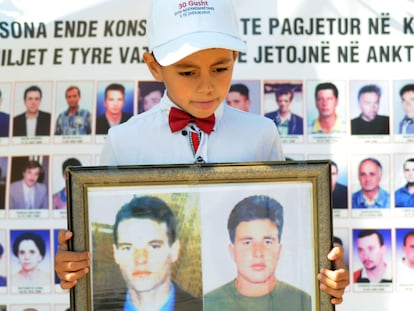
(407, 235)
(70, 162)
(337, 240)
(33, 88)
(240, 88)
(115, 87)
(368, 232)
(253, 208)
(1, 250)
(147, 207)
(36, 238)
(146, 87)
(284, 91)
(33, 164)
(333, 163)
(370, 88)
(326, 86)
(373, 160)
(408, 160)
(405, 88)
(72, 87)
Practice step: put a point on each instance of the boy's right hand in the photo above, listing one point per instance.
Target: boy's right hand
(70, 266)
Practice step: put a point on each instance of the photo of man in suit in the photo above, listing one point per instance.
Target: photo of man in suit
(28, 192)
(32, 122)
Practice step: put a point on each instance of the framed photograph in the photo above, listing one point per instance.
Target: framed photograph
(188, 235)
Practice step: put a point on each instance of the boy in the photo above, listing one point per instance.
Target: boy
(193, 53)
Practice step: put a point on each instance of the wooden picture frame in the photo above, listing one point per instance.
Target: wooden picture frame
(202, 196)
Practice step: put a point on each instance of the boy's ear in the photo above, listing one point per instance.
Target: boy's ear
(153, 66)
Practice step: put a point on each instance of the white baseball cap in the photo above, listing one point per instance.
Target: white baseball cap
(178, 28)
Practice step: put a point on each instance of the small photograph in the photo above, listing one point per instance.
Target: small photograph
(59, 165)
(404, 254)
(5, 102)
(370, 182)
(326, 107)
(115, 105)
(403, 110)
(74, 102)
(245, 95)
(369, 107)
(30, 261)
(404, 181)
(3, 262)
(339, 179)
(372, 256)
(32, 109)
(3, 181)
(149, 94)
(29, 183)
(283, 103)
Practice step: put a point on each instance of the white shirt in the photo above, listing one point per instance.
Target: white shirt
(405, 274)
(29, 194)
(147, 139)
(31, 126)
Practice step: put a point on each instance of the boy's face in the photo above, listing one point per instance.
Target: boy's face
(256, 251)
(199, 82)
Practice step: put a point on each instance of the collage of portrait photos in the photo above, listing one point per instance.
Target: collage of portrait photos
(364, 127)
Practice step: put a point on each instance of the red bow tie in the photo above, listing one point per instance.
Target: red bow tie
(179, 119)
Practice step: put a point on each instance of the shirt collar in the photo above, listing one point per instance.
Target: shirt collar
(167, 306)
(166, 103)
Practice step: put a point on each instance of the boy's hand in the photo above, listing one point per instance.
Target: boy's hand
(70, 266)
(335, 282)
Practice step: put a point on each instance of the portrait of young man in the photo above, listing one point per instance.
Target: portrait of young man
(245, 95)
(283, 103)
(326, 108)
(145, 265)
(32, 106)
(29, 183)
(115, 105)
(372, 256)
(253, 267)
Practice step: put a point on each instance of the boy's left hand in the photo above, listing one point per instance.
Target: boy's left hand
(335, 282)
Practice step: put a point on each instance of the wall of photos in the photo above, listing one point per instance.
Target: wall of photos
(293, 44)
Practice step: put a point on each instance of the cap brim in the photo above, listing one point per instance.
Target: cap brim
(195, 42)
